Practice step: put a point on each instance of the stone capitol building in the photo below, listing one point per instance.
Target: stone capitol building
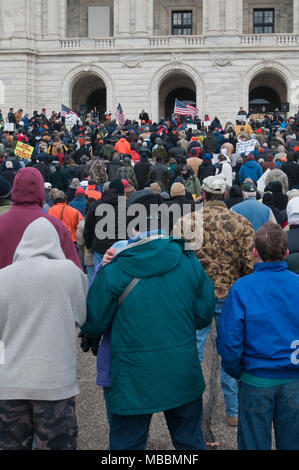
(219, 54)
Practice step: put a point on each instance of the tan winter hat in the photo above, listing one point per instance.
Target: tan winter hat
(177, 189)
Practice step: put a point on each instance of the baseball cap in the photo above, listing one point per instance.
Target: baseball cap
(249, 188)
(214, 185)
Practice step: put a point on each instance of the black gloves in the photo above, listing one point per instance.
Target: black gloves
(89, 343)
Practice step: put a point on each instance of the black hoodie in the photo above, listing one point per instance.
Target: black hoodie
(235, 196)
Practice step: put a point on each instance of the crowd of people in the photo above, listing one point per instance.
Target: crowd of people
(68, 268)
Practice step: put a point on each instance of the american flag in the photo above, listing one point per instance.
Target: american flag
(193, 111)
(65, 111)
(120, 115)
(180, 108)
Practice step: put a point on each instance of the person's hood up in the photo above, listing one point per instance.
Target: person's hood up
(28, 187)
(251, 164)
(235, 191)
(39, 239)
(276, 187)
(269, 157)
(148, 258)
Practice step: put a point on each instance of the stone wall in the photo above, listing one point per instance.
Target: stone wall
(77, 16)
(283, 14)
(163, 16)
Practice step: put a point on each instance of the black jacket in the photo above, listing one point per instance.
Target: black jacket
(205, 170)
(185, 204)
(112, 168)
(142, 170)
(291, 169)
(91, 240)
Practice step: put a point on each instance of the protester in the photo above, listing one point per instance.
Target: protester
(141, 373)
(5, 195)
(293, 234)
(114, 197)
(225, 256)
(258, 214)
(37, 391)
(28, 196)
(68, 215)
(250, 169)
(259, 349)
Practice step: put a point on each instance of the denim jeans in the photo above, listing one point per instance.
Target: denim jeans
(259, 408)
(228, 384)
(131, 432)
(97, 258)
(90, 273)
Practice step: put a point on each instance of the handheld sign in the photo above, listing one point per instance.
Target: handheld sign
(23, 150)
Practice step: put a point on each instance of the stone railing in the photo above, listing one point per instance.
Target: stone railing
(159, 41)
(245, 40)
(176, 41)
(284, 39)
(251, 40)
(70, 43)
(269, 39)
(104, 42)
(194, 41)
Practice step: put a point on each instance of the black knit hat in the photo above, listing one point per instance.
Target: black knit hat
(5, 188)
(117, 185)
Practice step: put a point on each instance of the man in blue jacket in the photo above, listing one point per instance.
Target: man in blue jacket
(258, 339)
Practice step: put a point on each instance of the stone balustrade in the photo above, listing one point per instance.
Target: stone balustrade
(105, 42)
(251, 40)
(70, 43)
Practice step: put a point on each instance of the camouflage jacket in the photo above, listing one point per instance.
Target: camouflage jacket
(226, 244)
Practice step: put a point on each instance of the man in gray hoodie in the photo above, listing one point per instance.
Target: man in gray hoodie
(42, 298)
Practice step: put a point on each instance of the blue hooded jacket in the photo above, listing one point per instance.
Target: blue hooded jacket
(250, 169)
(258, 330)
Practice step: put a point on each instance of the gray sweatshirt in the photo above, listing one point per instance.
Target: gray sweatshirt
(42, 297)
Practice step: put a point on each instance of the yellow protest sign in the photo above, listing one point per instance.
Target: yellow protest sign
(247, 128)
(23, 150)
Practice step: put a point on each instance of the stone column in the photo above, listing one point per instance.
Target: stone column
(53, 18)
(296, 16)
(20, 18)
(122, 17)
(211, 17)
(141, 17)
(6, 18)
(62, 18)
(233, 16)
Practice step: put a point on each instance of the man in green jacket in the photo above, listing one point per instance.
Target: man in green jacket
(154, 363)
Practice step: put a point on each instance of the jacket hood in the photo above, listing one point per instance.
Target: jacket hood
(150, 257)
(39, 239)
(269, 157)
(28, 187)
(235, 191)
(276, 187)
(251, 164)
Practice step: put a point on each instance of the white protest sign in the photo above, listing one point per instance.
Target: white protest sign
(70, 121)
(241, 118)
(235, 157)
(193, 127)
(246, 147)
(261, 184)
(9, 126)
